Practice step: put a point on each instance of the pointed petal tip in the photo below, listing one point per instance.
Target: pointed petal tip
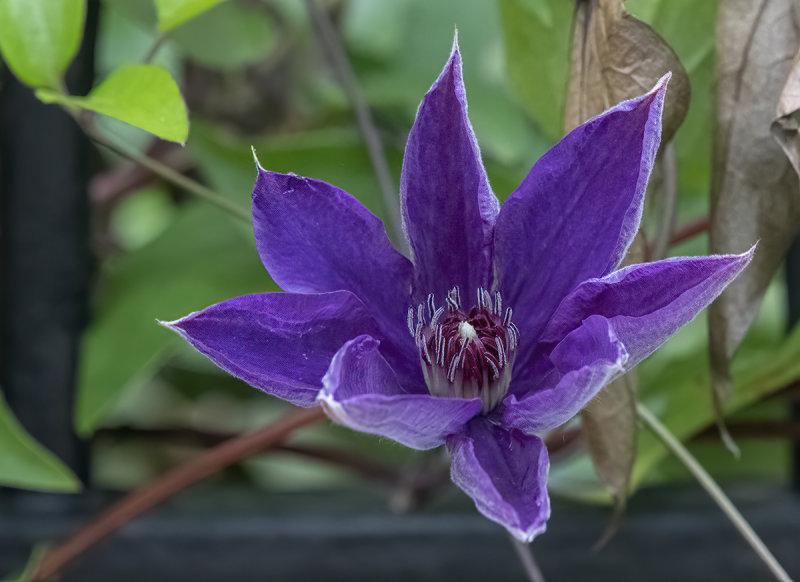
(168, 324)
(740, 259)
(259, 167)
(743, 259)
(658, 93)
(175, 325)
(452, 68)
(269, 182)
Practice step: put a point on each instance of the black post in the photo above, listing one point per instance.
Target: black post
(45, 255)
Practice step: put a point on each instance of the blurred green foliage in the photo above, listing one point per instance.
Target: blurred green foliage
(252, 73)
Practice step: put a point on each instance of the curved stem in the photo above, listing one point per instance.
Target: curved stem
(170, 175)
(330, 40)
(707, 482)
(176, 480)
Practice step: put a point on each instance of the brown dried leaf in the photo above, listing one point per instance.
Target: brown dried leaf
(617, 57)
(754, 192)
(786, 126)
(609, 425)
(610, 429)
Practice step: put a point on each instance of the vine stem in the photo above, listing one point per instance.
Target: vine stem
(329, 38)
(170, 175)
(707, 482)
(174, 481)
(525, 556)
(689, 230)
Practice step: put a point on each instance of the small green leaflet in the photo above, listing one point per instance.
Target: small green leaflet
(145, 96)
(39, 38)
(25, 464)
(172, 13)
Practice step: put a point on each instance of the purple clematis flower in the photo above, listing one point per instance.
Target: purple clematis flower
(503, 323)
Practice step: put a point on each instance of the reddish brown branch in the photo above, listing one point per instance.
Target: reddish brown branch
(689, 230)
(772, 430)
(365, 467)
(368, 468)
(176, 480)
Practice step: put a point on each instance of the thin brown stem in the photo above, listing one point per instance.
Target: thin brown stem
(151, 54)
(176, 480)
(332, 44)
(763, 430)
(689, 230)
(363, 466)
(367, 468)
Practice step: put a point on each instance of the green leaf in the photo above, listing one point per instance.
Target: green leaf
(228, 37)
(26, 574)
(39, 38)
(145, 96)
(172, 13)
(536, 36)
(25, 464)
(200, 259)
(688, 410)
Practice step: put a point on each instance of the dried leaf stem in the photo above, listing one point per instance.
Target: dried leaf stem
(174, 481)
(707, 482)
(332, 44)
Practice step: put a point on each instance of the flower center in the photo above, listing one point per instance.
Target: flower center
(465, 353)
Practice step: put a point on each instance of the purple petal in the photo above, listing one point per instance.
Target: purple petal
(280, 343)
(587, 359)
(645, 304)
(316, 238)
(505, 473)
(575, 214)
(361, 391)
(448, 207)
